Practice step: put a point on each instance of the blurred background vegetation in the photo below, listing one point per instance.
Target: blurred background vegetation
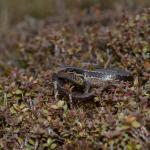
(12, 11)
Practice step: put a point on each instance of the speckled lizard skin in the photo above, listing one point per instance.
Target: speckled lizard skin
(87, 79)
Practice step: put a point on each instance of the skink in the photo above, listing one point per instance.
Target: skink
(85, 80)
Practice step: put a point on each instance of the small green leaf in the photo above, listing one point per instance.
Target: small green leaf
(138, 146)
(18, 92)
(136, 124)
(32, 142)
(9, 95)
(60, 104)
(20, 140)
(22, 106)
(49, 141)
(53, 146)
(65, 107)
(12, 110)
(54, 107)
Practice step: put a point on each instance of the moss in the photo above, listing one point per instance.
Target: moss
(30, 116)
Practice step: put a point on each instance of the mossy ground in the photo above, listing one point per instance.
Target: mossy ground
(31, 118)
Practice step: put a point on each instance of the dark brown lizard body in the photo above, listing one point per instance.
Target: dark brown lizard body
(87, 79)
